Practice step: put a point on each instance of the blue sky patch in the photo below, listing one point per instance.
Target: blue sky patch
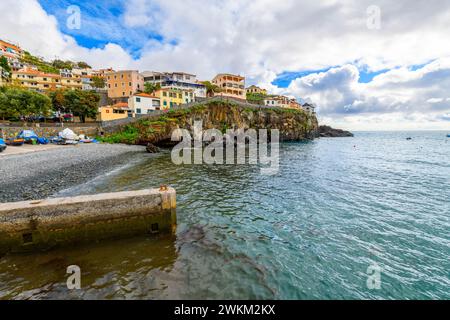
(102, 23)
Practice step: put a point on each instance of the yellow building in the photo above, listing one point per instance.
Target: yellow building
(230, 85)
(172, 97)
(40, 81)
(255, 89)
(36, 80)
(115, 112)
(72, 82)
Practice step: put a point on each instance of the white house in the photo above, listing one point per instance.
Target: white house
(277, 101)
(143, 103)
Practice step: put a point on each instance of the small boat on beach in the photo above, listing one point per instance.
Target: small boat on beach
(15, 142)
(2, 145)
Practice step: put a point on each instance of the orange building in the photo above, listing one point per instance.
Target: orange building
(123, 84)
(10, 50)
(230, 85)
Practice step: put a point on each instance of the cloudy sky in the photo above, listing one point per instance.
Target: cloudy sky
(368, 65)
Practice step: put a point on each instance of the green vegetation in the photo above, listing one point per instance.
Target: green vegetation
(83, 65)
(42, 65)
(211, 88)
(53, 67)
(59, 64)
(98, 82)
(69, 65)
(151, 88)
(15, 102)
(5, 65)
(129, 135)
(256, 98)
(83, 104)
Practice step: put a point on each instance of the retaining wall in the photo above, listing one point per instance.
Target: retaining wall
(41, 225)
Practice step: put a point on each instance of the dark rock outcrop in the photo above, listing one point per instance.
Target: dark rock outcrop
(329, 132)
(151, 148)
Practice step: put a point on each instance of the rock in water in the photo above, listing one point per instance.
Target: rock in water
(329, 132)
(151, 148)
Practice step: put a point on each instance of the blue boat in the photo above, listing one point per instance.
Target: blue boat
(2, 145)
(448, 136)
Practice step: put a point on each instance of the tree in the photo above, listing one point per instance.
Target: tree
(211, 88)
(83, 65)
(5, 65)
(59, 64)
(98, 82)
(256, 98)
(58, 99)
(82, 104)
(16, 102)
(150, 88)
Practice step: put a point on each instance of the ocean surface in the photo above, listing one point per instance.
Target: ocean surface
(338, 209)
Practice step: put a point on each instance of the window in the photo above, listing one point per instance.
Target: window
(121, 76)
(180, 96)
(129, 83)
(165, 103)
(115, 85)
(123, 93)
(138, 99)
(164, 94)
(138, 111)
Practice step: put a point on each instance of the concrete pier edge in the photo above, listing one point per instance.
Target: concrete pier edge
(44, 224)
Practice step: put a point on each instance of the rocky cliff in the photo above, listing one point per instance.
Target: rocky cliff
(294, 125)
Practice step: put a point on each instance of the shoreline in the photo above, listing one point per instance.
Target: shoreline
(41, 174)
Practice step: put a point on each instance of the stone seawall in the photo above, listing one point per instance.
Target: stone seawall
(41, 131)
(38, 225)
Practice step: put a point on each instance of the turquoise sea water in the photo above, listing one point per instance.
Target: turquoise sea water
(337, 207)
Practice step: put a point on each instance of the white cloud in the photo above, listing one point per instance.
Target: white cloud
(398, 99)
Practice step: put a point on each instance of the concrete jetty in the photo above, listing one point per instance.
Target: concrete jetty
(45, 224)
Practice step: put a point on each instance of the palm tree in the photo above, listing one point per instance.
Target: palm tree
(150, 88)
(211, 88)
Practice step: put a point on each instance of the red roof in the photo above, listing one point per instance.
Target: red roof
(122, 105)
(145, 95)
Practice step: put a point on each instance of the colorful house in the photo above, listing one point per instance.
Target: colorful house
(115, 112)
(143, 103)
(231, 86)
(257, 90)
(172, 97)
(123, 84)
(277, 101)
